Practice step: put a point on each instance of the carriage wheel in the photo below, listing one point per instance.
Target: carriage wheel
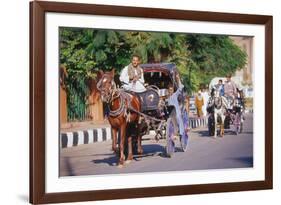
(241, 127)
(211, 125)
(184, 138)
(170, 132)
(227, 122)
(237, 122)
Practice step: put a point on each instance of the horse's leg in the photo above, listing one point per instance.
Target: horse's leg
(215, 118)
(222, 125)
(140, 150)
(122, 143)
(130, 150)
(114, 139)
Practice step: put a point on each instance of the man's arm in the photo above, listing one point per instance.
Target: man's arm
(124, 75)
(141, 79)
(179, 84)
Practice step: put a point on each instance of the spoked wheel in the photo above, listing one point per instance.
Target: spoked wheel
(237, 130)
(184, 138)
(241, 127)
(211, 125)
(170, 132)
(237, 122)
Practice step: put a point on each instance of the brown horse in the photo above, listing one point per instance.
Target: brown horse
(123, 108)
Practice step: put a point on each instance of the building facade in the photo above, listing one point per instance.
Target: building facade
(246, 44)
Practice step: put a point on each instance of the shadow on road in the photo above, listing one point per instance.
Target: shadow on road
(68, 167)
(111, 161)
(88, 155)
(203, 133)
(148, 151)
(151, 150)
(248, 133)
(248, 161)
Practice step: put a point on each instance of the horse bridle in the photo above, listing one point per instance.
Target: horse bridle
(112, 89)
(218, 102)
(113, 94)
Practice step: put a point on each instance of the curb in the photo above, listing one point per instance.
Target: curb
(72, 139)
(75, 138)
(197, 122)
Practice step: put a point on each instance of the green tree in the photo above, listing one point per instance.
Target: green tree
(198, 57)
(214, 56)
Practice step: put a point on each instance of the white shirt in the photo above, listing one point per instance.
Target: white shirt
(133, 86)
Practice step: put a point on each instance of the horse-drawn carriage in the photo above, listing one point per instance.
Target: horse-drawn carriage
(160, 77)
(146, 110)
(224, 112)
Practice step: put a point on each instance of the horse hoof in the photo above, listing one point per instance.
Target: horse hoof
(120, 166)
(128, 161)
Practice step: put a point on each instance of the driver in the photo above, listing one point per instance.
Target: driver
(230, 90)
(132, 76)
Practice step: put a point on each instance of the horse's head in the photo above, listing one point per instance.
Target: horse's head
(216, 93)
(216, 99)
(106, 84)
(212, 92)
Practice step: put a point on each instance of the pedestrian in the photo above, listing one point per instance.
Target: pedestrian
(199, 102)
(205, 95)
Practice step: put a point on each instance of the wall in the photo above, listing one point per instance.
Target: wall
(14, 107)
(246, 44)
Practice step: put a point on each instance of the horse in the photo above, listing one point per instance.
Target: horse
(123, 109)
(218, 106)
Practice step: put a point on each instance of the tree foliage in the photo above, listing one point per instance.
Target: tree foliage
(198, 57)
(215, 55)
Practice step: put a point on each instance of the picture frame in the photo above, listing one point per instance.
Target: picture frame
(38, 11)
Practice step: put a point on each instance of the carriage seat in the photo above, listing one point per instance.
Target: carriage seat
(149, 99)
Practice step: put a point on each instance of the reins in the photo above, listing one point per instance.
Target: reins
(116, 93)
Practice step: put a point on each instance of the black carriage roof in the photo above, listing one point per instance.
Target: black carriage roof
(166, 67)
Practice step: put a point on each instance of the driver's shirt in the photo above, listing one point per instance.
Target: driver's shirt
(135, 87)
(230, 89)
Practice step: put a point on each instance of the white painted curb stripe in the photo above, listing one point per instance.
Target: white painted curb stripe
(80, 137)
(99, 134)
(69, 139)
(91, 136)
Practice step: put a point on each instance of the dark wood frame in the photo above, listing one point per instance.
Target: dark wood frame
(37, 101)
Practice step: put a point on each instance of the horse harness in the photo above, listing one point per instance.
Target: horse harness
(218, 102)
(125, 102)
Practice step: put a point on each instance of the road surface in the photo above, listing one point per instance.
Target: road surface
(204, 152)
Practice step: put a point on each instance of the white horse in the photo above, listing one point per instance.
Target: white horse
(219, 104)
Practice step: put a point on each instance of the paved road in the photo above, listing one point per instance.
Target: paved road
(204, 152)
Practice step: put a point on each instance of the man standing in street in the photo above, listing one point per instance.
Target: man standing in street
(199, 102)
(205, 96)
(173, 99)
